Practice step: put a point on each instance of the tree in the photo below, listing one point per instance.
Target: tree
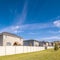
(56, 47)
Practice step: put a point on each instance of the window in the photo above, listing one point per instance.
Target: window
(8, 44)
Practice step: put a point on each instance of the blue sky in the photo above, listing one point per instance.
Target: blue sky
(31, 19)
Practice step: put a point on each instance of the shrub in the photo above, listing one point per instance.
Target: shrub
(56, 47)
(45, 47)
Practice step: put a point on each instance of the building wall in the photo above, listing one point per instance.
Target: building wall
(1, 40)
(31, 43)
(28, 43)
(36, 43)
(41, 44)
(25, 43)
(10, 39)
(47, 43)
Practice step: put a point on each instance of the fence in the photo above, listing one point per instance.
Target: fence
(10, 50)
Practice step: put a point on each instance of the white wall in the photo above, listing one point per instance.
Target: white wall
(9, 50)
(12, 40)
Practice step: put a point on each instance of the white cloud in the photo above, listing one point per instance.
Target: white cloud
(57, 23)
(12, 29)
(59, 31)
(26, 27)
(16, 31)
(54, 32)
(51, 38)
(32, 33)
(36, 26)
(17, 28)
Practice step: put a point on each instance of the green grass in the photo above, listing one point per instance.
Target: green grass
(42, 55)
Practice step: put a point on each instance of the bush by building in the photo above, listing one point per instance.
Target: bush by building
(56, 46)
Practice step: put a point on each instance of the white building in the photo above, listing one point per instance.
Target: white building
(8, 39)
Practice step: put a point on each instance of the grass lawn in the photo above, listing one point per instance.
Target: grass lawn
(42, 55)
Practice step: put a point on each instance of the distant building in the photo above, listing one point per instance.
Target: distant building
(31, 43)
(51, 44)
(45, 43)
(42, 43)
(8, 39)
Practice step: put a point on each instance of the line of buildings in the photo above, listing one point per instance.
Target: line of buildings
(8, 39)
(37, 43)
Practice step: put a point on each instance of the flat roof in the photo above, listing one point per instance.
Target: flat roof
(30, 40)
